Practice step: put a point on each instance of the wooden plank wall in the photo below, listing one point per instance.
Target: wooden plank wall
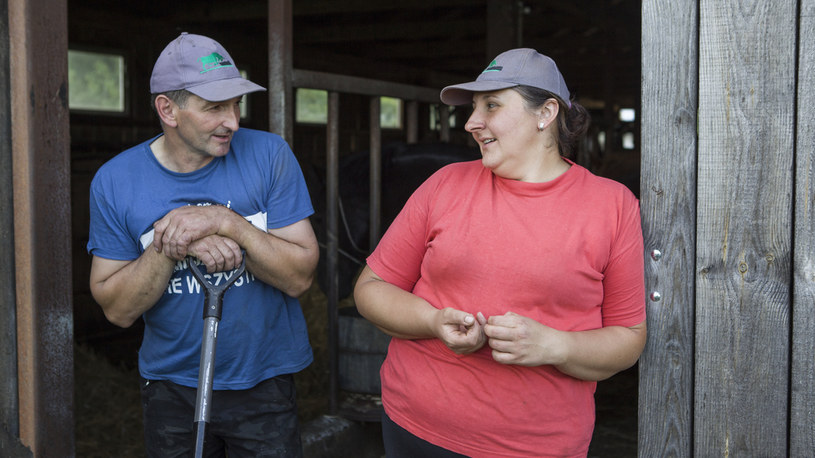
(730, 315)
(744, 220)
(668, 200)
(802, 411)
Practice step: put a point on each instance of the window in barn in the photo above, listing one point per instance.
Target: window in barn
(390, 113)
(436, 111)
(628, 116)
(96, 81)
(311, 106)
(628, 140)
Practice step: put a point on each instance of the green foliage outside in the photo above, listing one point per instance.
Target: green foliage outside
(390, 113)
(312, 107)
(95, 81)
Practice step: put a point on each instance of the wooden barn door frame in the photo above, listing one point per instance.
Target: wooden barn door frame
(802, 386)
(728, 203)
(667, 201)
(40, 157)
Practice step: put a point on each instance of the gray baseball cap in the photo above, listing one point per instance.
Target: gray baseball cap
(202, 66)
(516, 67)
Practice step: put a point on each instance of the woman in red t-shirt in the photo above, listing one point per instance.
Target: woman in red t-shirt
(510, 285)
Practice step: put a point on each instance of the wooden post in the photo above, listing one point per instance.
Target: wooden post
(503, 26)
(668, 198)
(412, 121)
(802, 408)
(332, 248)
(9, 412)
(38, 37)
(281, 97)
(375, 169)
(444, 123)
(744, 220)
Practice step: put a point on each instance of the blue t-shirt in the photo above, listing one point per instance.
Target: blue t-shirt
(262, 332)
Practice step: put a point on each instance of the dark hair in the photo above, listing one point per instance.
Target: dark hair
(179, 97)
(572, 122)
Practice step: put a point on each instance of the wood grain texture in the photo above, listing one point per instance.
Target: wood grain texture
(802, 408)
(668, 199)
(744, 220)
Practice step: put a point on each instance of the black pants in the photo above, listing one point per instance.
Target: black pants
(400, 443)
(258, 422)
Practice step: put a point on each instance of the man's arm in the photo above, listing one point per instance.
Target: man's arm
(126, 289)
(284, 258)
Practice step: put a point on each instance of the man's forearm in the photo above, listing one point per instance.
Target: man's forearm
(287, 263)
(125, 290)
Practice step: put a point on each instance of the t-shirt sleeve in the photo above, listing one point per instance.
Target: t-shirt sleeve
(398, 257)
(108, 237)
(288, 200)
(624, 281)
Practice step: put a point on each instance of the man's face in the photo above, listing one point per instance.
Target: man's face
(206, 127)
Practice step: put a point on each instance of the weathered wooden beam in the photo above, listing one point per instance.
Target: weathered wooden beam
(9, 413)
(503, 24)
(364, 86)
(332, 161)
(354, 32)
(802, 405)
(744, 220)
(322, 7)
(42, 223)
(281, 97)
(375, 170)
(667, 200)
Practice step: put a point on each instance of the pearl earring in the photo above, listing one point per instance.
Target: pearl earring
(540, 126)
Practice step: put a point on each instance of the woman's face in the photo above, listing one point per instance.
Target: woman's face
(507, 133)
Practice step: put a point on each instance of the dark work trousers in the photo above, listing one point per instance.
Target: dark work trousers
(258, 422)
(400, 443)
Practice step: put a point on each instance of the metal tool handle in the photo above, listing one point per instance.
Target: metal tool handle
(213, 306)
(214, 294)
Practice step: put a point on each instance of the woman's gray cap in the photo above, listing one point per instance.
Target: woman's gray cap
(202, 66)
(516, 67)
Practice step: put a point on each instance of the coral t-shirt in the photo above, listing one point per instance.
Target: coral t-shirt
(567, 253)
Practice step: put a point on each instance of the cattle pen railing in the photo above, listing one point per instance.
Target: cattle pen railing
(335, 85)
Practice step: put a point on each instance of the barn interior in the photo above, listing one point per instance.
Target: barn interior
(596, 44)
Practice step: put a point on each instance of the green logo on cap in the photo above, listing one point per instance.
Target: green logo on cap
(493, 67)
(213, 61)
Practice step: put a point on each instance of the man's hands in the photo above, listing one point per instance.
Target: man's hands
(178, 229)
(193, 231)
(218, 254)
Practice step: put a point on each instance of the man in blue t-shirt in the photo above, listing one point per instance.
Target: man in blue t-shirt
(204, 189)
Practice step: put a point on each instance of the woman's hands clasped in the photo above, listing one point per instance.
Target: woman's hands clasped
(460, 331)
(514, 339)
(522, 341)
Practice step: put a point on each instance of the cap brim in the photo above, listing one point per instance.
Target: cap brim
(225, 89)
(462, 94)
